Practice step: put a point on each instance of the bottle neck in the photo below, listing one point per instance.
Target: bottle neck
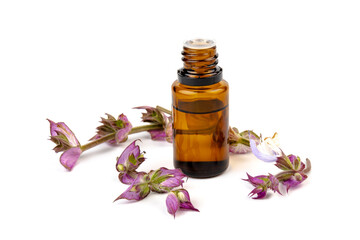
(200, 67)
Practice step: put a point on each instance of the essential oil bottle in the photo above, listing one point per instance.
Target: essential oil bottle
(200, 99)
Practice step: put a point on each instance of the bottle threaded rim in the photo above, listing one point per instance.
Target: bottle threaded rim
(199, 43)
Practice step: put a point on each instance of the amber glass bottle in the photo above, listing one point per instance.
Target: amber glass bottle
(200, 100)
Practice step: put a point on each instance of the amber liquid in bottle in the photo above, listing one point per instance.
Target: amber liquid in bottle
(200, 112)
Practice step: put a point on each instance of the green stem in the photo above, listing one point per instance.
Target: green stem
(146, 128)
(161, 109)
(112, 135)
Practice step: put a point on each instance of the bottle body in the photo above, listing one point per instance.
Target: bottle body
(200, 128)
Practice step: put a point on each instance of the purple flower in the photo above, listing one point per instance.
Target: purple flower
(66, 142)
(129, 160)
(239, 141)
(164, 180)
(120, 126)
(290, 162)
(294, 180)
(62, 136)
(154, 115)
(138, 190)
(179, 199)
(266, 150)
(295, 170)
(262, 183)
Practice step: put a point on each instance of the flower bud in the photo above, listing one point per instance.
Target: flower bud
(129, 160)
(120, 126)
(179, 199)
(66, 142)
(62, 136)
(154, 115)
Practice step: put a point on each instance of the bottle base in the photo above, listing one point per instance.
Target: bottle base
(202, 169)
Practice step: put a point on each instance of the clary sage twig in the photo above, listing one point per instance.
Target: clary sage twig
(294, 170)
(112, 130)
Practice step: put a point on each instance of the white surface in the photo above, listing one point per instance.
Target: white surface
(292, 68)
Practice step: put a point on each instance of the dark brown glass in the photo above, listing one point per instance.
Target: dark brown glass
(200, 115)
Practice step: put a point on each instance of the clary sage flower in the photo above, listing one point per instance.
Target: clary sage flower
(158, 116)
(138, 190)
(164, 180)
(262, 183)
(294, 170)
(121, 126)
(179, 199)
(66, 142)
(266, 150)
(128, 162)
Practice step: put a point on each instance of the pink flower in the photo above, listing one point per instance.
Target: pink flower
(138, 190)
(66, 142)
(154, 115)
(164, 180)
(129, 160)
(121, 126)
(179, 199)
(262, 183)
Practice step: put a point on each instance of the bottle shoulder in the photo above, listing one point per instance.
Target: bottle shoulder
(216, 88)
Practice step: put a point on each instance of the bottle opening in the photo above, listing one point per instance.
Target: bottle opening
(199, 43)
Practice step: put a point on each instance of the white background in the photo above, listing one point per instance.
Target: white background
(293, 67)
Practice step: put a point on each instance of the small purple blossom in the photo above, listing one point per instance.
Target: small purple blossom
(294, 180)
(164, 180)
(129, 160)
(66, 142)
(62, 136)
(179, 199)
(120, 126)
(266, 150)
(138, 190)
(154, 115)
(295, 171)
(262, 183)
(290, 162)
